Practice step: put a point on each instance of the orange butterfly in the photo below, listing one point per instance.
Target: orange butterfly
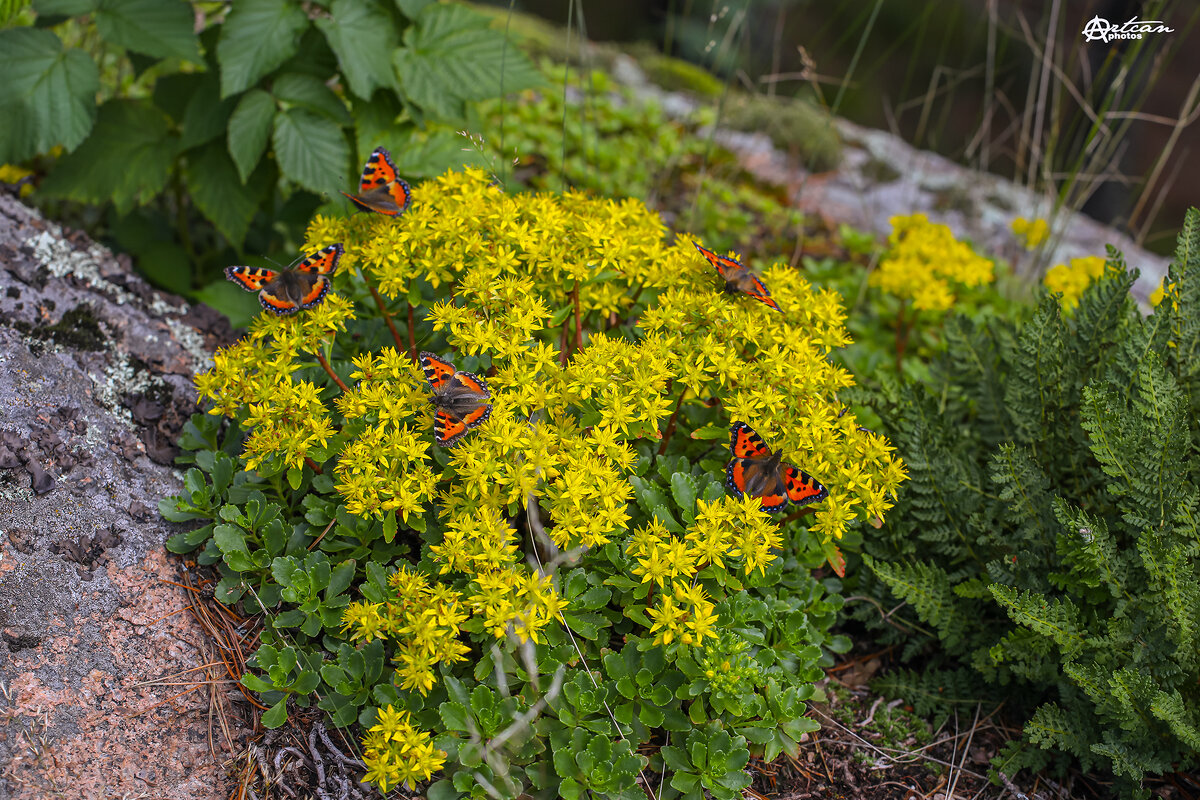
(290, 289)
(380, 189)
(757, 471)
(461, 399)
(738, 277)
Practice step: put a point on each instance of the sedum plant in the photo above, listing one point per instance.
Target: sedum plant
(528, 610)
(1055, 484)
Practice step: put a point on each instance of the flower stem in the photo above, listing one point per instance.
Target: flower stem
(578, 320)
(901, 335)
(387, 317)
(412, 336)
(671, 423)
(332, 374)
(314, 466)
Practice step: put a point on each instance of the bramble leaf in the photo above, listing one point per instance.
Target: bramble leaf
(126, 160)
(362, 34)
(159, 28)
(48, 95)
(257, 37)
(311, 150)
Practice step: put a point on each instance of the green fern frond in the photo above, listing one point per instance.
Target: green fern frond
(1055, 619)
(1052, 726)
(1182, 719)
(928, 589)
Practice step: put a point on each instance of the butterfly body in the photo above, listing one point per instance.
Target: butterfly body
(380, 189)
(291, 289)
(738, 277)
(758, 471)
(460, 399)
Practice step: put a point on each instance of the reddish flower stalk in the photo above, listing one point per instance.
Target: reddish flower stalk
(331, 373)
(671, 423)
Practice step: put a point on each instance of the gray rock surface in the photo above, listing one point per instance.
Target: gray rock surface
(882, 176)
(95, 370)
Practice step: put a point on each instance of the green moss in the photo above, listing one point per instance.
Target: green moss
(676, 75)
(880, 171)
(79, 329)
(795, 126)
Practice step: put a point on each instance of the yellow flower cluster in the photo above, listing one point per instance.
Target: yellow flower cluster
(424, 622)
(773, 371)
(1031, 232)
(286, 417)
(11, 173)
(540, 288)
(727, 529)
(926, 263)
(398, 753)
(1071, 279)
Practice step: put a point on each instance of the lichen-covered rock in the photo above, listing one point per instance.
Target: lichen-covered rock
(95, 380)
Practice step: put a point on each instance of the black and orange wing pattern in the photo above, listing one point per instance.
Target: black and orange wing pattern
(461, 399)
(745, 443)
(252, 279)
(437, 371)
(381, 189)
(728, 268)
(801, 487)
(322, 262)
(752, 285)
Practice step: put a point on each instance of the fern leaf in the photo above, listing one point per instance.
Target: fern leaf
(1053, 727)
(1182, 719)
(928, 589)
(1053, 618)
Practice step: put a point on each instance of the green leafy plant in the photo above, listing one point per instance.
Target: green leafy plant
(199, 126)
(1055, 475)
(570, 581)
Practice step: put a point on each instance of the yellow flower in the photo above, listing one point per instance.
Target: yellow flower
(926, 264)
(1070, 280)
(1031, 233)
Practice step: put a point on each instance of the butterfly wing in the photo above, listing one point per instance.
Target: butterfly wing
(252, 279)
(473, 384)
(801, 487)
(727, 268)
(745, 443)
(437, 371)
(447, 428)
(752, 285)
(380, 189)
(320, 287)
(379, 171)
(741, 475)
(322, 262)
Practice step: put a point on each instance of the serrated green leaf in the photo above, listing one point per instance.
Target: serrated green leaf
(310, 150)
(275, 716)
(309, 92)
(126, 160)
(65, 8)
(257, 37)
(411, 8)
(362, 34)
(249, 128)
(206, 115)
(213, 185)
(47, 96)
(683, 490)
(451, 55)
(159, 28)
